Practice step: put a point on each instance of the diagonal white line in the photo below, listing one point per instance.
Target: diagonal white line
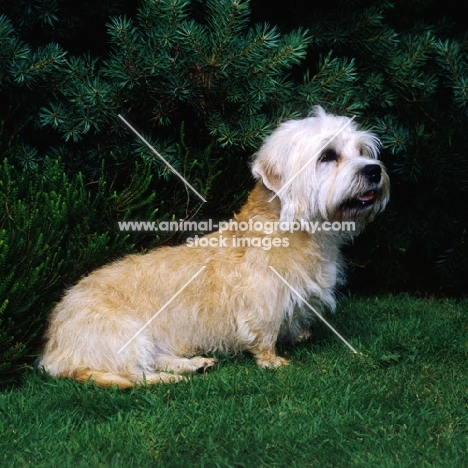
(161, 309)
(286, 184)
(314, 311)
(159, 156)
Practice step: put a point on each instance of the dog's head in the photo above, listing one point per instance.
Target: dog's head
(323, 168)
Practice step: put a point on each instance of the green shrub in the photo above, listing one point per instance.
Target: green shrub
(53, 229)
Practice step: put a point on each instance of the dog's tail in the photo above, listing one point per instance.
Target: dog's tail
(122, 381)
(102, 379)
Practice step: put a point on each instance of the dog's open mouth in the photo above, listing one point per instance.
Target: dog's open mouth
(367, 197)
(363, 201)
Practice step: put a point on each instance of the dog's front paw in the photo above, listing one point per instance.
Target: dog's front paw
(271, 360)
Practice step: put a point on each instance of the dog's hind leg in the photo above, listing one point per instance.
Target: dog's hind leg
(158, 378)
(180, 365)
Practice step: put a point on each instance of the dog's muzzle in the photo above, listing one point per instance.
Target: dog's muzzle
(372, 175)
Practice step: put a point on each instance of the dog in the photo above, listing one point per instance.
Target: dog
(154, 317)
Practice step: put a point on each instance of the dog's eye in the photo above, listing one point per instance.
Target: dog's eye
(365, 151)
(329, 155)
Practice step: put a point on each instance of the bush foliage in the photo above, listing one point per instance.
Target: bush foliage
(53, 228)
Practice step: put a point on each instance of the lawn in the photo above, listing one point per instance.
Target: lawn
(401, 402)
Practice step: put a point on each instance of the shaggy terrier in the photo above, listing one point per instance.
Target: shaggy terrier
(151, 318)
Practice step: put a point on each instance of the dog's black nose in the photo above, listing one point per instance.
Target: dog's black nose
(372, 172)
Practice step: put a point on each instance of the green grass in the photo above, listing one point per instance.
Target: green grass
(403, 402)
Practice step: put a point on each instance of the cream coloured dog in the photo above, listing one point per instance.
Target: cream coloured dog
(151, 318)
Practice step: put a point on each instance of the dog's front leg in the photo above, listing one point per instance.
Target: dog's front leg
(268, 358)
(264, 351)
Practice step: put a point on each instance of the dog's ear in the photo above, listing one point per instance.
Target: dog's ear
(268, 174)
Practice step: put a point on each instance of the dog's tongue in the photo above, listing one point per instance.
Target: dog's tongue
(366, 196)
